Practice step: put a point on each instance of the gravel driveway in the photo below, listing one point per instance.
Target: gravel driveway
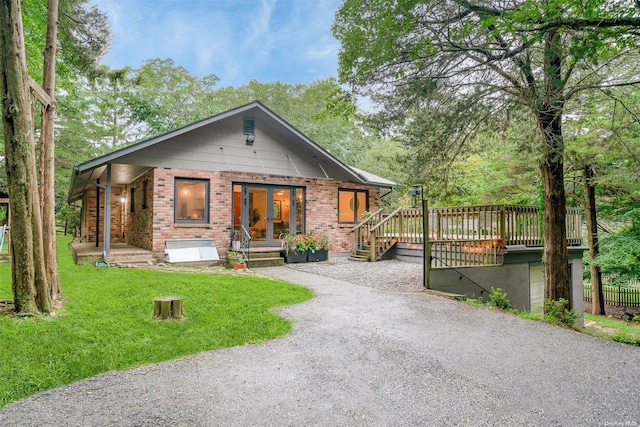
(364, 356)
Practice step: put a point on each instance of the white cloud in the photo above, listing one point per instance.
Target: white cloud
(288, 40)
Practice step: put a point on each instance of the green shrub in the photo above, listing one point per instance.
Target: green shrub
(557, 312)
(499, 299)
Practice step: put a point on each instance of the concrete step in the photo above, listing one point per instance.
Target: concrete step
(261, 255)
(131, 259)
(265, 262)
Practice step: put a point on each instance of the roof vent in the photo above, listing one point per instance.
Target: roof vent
(249, 128)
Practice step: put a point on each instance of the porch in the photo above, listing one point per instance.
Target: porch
(89, 253)
(456, 236)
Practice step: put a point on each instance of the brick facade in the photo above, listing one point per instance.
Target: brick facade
(88, 220)
(139, 220)
(150, 227)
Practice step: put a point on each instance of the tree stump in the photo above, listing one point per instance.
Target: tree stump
(167, 308)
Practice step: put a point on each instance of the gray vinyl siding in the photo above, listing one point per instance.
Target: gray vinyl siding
(221, 146)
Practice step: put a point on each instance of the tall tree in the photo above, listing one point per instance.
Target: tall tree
(30, 287)
(165, 96)
(614, 155)
(591, 218)
(523, 53)
(602, 140)
(47, 152)
(83, 38)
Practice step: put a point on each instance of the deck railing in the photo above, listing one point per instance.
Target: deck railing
(476, 232)
(448, 253)
(574, 227)
(510, 224)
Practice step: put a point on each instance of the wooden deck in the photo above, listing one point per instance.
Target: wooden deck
(460, 236)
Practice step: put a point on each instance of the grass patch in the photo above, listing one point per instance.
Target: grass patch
(614, 329)
(106, 323)
(604, 327)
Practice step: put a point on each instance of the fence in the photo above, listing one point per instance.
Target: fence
(616, 295)
(614, 280)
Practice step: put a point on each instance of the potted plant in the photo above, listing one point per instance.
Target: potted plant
(295, 248)
(235, 258)
(321, 250)
(235, 239)
(241, 264)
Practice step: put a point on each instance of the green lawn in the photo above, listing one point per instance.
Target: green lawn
(107, 322)
(615, 329)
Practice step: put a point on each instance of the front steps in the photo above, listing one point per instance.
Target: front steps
(361, 255)
(264, 259)
(131, 258)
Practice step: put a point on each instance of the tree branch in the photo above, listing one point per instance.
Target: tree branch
(583, 23)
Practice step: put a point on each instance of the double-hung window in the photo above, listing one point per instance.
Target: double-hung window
(191, 200)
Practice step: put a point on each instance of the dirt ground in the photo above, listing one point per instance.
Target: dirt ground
(614, 311)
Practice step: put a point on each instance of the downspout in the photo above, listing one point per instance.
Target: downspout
(385, 195)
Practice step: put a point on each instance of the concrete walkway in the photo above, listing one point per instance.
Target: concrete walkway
(360, 356)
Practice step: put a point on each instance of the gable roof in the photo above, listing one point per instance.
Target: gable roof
(88, 172)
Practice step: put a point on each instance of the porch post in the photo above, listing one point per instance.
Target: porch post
(98, 213)
(426, 244)
(107, 215)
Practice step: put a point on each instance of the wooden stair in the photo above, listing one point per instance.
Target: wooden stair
(362, 255)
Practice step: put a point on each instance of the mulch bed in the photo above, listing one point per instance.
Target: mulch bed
(614, 310)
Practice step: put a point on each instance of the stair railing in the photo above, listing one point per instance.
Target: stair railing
(245, 242)
(360, 233)
(385, 234)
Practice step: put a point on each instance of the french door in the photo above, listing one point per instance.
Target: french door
(268, 211)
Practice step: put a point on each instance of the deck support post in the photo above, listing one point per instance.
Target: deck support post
(374, 243)
(426, 244)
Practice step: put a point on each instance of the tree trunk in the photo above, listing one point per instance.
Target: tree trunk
(597, 296)
(47, 185)
(555, 257)
(29, 282)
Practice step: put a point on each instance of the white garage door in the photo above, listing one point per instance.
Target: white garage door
(536, 289)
